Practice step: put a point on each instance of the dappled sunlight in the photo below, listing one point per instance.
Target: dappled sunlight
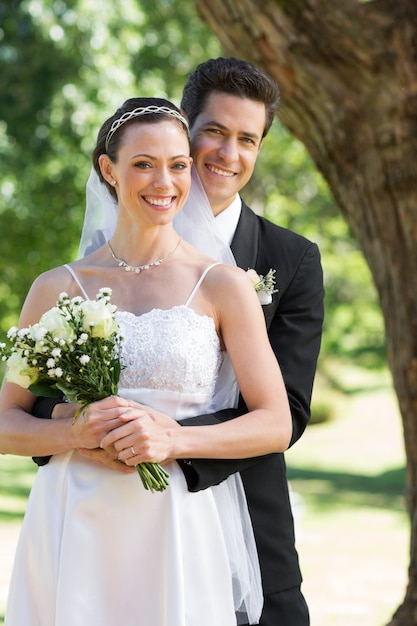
(326, 489)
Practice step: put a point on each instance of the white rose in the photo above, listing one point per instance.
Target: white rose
(254, 277)
(98, 318)
(264, 297)
(19, 372)
(83, 338)
(57, 325)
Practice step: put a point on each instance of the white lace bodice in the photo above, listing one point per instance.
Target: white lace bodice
(175, 349)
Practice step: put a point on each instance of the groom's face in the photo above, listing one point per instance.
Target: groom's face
(225, 142)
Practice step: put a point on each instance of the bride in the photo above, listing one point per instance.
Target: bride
(96, 548)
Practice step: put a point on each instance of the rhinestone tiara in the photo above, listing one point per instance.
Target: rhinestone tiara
(138, 113)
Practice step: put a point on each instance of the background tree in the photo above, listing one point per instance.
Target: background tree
(64, 66)
(348, 75)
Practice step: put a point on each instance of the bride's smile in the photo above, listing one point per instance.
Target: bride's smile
(152, 172)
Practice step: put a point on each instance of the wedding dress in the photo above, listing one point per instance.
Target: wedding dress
(97, 549)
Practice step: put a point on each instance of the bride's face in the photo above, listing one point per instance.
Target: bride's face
(152, 171)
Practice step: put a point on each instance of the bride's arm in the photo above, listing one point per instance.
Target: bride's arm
(23, 434)
(266, 428)
(20, 432)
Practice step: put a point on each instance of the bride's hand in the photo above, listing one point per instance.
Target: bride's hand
(160, 418)
(143, 437)
(96, 420)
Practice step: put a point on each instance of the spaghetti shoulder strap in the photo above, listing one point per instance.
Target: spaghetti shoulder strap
(75, 277)
(200, 280)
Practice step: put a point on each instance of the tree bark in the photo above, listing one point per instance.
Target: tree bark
(348, 78)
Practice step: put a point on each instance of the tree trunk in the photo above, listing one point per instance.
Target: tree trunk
(348, 78)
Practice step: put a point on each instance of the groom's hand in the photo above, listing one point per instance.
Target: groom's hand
(104, 457)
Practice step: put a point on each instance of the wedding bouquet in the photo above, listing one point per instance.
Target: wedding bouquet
(73, 351)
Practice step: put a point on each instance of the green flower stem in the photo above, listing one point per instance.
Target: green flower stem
(81, 411)
(153, 476)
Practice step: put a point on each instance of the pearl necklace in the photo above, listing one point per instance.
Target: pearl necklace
(140, 268)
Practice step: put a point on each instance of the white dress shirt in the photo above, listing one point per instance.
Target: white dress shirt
(226, 221)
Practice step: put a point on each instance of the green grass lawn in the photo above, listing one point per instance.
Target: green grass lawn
(347, 476)
(352, 528)
(16, 476)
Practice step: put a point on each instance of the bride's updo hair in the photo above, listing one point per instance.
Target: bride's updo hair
(133, 111)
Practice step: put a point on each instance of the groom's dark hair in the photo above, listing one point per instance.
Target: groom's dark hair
(232, 76)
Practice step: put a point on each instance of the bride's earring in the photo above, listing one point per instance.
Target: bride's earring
(113, 182)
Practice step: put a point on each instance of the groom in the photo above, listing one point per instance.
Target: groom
(231, 105)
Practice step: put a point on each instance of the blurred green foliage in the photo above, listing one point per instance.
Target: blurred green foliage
(64, 67)
(297, 197)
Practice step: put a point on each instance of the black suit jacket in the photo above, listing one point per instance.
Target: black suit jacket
(294, 320)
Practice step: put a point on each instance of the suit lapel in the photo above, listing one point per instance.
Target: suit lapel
(245, 241)
(245, 245)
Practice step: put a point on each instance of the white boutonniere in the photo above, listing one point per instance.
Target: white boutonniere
(264, 285)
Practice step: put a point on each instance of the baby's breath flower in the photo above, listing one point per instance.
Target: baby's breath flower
(83, 338)
(50, 363)
(84, 359)
(38, 332)
(104, 292)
